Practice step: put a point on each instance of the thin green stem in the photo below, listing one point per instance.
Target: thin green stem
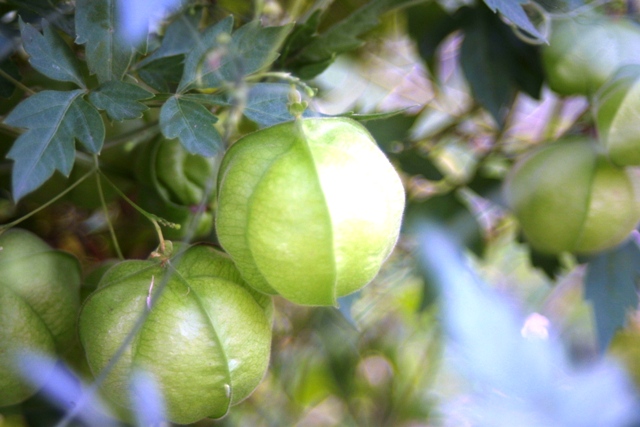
(103, 202)
(155, 220)
(5, 227)
(9, 77)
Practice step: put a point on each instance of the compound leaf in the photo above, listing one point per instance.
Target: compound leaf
(251, 48)
(209, 40)
(120, 100)
(50, 55)
(192, 124)
(319, 51)
(610, 285)
(179, 37)
(512, 10)
(53, 120)
(107, 50)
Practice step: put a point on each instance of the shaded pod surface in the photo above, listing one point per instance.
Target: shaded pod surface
(567, 196)
(206, 338)
(308, 210)
(38, 307)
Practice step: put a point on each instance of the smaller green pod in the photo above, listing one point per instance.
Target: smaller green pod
(617, 108)
(309, 209)
(39, 303)
(205, 340)
(584, 51)
(175, 185)
(568, 197)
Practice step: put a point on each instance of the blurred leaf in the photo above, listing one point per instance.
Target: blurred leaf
(497, 64)
(7, 87)
(54, 120)
(610, 285)
(252, 47)
(50, 55)
(120, 99)
(192, 124)
(520, 380)
(374, 116)
(318, 51)
(512, 10)
(429, 24)
(66, 390)
(108, 52)
(163, 74)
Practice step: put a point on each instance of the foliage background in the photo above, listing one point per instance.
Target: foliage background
(452, 91)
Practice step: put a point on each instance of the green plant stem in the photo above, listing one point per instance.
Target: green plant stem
(103, 202)
(155, 220)
(5, 227)
(7, 76)
(554, 120)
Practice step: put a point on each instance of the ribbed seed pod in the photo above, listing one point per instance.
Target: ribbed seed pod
(206, 339)
(308, 209)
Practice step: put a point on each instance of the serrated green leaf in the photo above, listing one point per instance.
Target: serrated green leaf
(512, 10)
(610, 285)
(267, 104)
(252, 48)
(50, 55)
(108, 52)
(205, 43)
(120, 100)
(192, 124)
(53, 120)
(319, 51)
(180, 37)
(163, 74)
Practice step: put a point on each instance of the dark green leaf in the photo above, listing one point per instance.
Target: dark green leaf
(497, 64)
(207, 42)
(251, 49)
(108, 52)
(7, 87)
(319, 51)
(179, 38)
(512, 10)
(163, 74)
(610, 285)
(50, 55)
(429, 24)
(192, 124)
(374, 116)
(53, 121)
(120, 100)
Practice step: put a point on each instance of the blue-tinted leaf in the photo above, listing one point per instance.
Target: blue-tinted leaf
(147, 399)
(53, 121)
(108, 51)
(50, 55)
(203, 44)
(518, 379)
(251, 49)
(163, 74)
(610, 285)
(65, 390)
(512, 10)
(192, 124)
(120, 100)
(137, 16)
(179, 38)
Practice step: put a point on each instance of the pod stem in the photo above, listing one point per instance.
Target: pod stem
(154, 219)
